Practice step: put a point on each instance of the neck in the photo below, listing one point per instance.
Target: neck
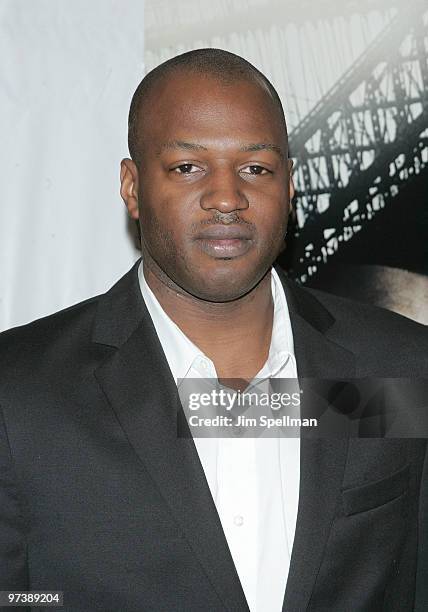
(224, 331)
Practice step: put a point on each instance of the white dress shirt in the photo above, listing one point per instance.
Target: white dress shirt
(254, 482)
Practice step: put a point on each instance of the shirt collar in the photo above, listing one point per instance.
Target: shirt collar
(282, 346)
(180, 351)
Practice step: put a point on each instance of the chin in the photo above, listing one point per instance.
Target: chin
(225, 284)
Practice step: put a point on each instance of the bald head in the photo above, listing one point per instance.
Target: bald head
(223, 66)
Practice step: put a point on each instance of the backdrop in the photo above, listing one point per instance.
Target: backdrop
(353, 78)
(68, 72)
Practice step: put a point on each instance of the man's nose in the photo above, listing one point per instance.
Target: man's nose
(223, 192)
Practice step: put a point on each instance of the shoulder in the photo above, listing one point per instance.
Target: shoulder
(64, 348)
(376, 333)
(47, 343)
(46, 328)
(369, 315)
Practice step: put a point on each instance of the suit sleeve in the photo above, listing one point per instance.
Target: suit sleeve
(13, 550)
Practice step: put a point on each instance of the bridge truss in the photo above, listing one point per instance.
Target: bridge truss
(362, 143)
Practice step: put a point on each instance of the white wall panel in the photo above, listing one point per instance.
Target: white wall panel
(68, 71)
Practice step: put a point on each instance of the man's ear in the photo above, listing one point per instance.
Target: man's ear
(291, 188)
(129, 186)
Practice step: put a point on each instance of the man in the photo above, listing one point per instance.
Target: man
(99, 496)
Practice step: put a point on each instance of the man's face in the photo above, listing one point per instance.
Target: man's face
(213, 184)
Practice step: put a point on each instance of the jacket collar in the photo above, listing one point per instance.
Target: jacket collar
(122, 308)
(119, 311)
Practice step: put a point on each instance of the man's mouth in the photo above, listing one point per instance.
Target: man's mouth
(225, 242)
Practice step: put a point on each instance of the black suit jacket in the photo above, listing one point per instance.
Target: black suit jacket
(99, 499)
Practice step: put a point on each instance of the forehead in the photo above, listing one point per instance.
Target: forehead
(183, 105)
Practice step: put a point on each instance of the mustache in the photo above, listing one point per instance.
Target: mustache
(221, 218)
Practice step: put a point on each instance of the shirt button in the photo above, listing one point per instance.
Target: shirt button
(204, 364)
(238, 520)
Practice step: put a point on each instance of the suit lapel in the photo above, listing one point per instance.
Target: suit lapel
(322, 461)
(141, 390)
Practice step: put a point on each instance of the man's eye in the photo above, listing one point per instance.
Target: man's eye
(186, 169)
(255, 169)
